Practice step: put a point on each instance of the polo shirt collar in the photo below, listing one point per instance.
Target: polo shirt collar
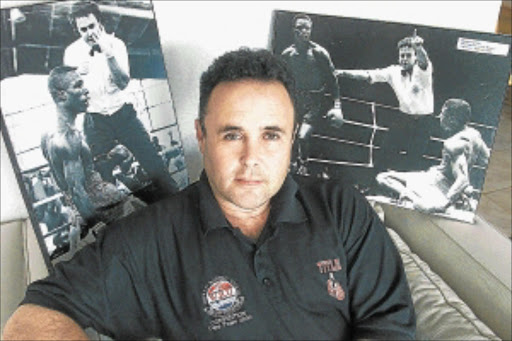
(285, 207)
(211, 214)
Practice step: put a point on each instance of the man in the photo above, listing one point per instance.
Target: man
(313, 70)
(411, 80)
(247, 252)
(65, 150)
(448, 184)
(70, 159)
(102, 60)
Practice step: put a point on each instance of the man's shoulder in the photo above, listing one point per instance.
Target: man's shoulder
(165, 214)
(326, 189)
(428, 70)
(117, 42)
(290, 50)
(76, 46)
(338, 201)
(75, 52)
(467, 134)
(318, 49)
(393, 68)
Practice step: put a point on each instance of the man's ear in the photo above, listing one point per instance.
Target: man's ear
(200, 136)
(62, 95)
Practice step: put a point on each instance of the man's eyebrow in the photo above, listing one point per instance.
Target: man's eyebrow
(227, 128)
(274, 128)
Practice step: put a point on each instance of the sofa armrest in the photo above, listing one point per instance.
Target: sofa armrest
(473, 259)
(12, 270)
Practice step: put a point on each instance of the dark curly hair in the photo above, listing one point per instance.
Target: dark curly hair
(244, 63)
(82, 9)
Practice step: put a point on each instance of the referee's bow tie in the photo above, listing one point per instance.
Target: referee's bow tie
(95, 48)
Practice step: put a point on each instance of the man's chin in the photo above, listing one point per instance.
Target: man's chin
(250, 201)
(84, 108)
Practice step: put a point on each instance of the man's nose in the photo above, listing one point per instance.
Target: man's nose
(251, 153)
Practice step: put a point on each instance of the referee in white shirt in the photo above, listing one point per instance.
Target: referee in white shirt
(102, 60)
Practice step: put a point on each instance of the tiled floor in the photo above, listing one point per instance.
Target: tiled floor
(496, 203)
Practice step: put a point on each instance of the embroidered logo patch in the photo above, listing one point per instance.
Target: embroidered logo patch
(330, 266)
(223, 301)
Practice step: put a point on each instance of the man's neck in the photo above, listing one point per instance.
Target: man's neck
(65, 119)
(302, 46)
(249, 222)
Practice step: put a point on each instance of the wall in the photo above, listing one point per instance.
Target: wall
(194, 33)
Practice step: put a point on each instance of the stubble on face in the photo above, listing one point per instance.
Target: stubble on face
(247, 142)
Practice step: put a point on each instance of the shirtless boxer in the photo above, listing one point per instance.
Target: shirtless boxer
(448, 183)
(313, 71)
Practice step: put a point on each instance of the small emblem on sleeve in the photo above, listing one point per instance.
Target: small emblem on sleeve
(334, 287)
(223, 301)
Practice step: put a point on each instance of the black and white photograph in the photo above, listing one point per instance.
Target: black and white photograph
(406, 113)
(87, 116)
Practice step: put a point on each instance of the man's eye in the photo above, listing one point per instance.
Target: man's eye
(232, 137)
(272, 136)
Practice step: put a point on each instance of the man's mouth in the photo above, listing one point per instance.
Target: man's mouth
(249, 181)
(91, 40)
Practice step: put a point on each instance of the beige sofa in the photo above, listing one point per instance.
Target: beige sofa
(459, 274)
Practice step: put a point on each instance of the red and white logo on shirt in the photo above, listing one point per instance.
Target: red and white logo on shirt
(223, 301)
(331, 266)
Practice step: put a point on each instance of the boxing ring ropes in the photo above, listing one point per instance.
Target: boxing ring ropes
(375, 128)
(369, 145)
(57, 196)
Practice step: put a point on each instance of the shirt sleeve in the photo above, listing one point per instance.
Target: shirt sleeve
(69, 58)
(103, 285)
(381, 75)
(380, 298)
(121, 54)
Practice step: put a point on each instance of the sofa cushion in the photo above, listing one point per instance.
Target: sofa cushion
(440, 313)
(474, 259)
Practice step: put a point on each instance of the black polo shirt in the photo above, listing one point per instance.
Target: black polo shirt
(323, 268)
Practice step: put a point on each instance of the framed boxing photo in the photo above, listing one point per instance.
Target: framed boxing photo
(407, 113)
(87, 116)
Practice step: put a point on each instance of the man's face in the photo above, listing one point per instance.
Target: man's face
(77, 96)
(448, 122)
(89, 28)
(247, 142)
(302, 30)
(406, 58)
